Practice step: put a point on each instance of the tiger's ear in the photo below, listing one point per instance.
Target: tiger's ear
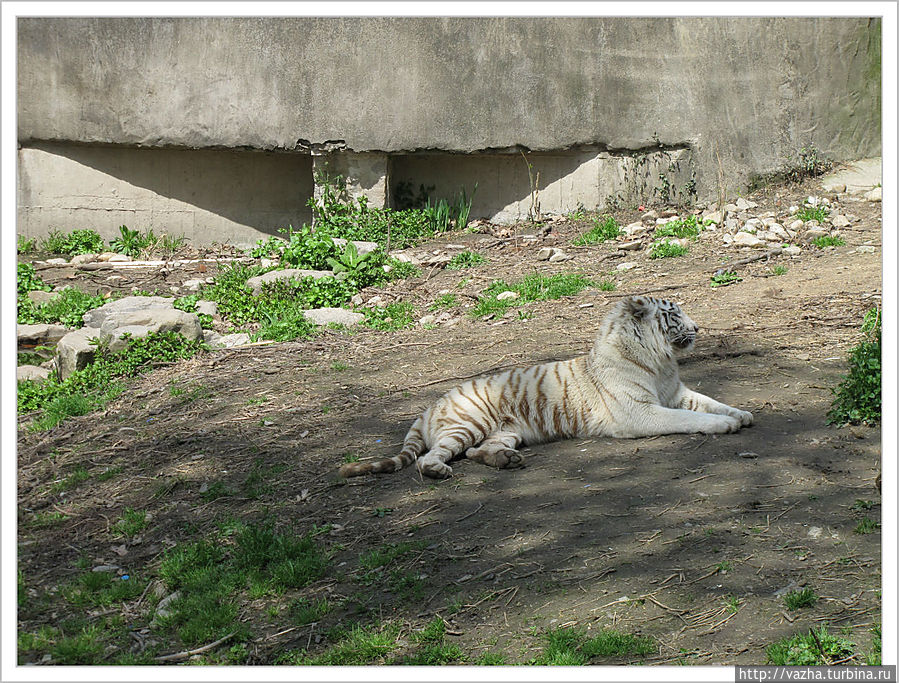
(636, 306)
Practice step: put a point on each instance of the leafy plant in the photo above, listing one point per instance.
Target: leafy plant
(133, 242)
(465, 259)
(25, 245)
(271, 247)
(797, 599)
(605, 228)
(67, 308)
(825, 241)
(444, 301)
(815, 648)
(725, 278)
(689, 227)
(857, 397)
(309, 249)
(400, 270)
(666, 249)
(27, 280)
(394, 316)
(536, 287)
(812, 213)
(75, 242)
(131, 523)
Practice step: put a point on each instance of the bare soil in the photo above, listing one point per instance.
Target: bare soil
(649, 536)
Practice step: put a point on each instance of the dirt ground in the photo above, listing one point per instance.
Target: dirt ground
(650, 536)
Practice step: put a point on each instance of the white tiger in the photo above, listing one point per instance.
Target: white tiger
(627, 386)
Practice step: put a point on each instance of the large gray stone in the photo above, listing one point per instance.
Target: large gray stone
(75, 351)
(339, 316)
(32, 372)
(29, 336)
(255, 283)
(228, 341)
(361, 247)
(38, 296)
(129, 304)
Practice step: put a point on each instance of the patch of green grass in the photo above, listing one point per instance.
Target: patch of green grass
(571, 647)
(66, 308)
(27, 280)
(536, 287)
(857, 397)
(812, 213)
(860, 504)
(400, 270)
(797, 599)
(604, 228)
(75, 242)
(666, 249)
(339, 366)
(216, 490)
(866, 526)
(875, 658)
(360, 645)
(101, 589)
(803, 649)
(465, 259)
(85, 647)
(825, 241)
(77, 477)
(389, 552)
(90, 388)
(778, 269)
(131, 523)
(394, 316)
(43, 520)
(732, 603)
(491, 659)
(724, 566)
(689, 227)
(25, 245)
(303, 611)
(407, 585)
(724, 279)
(606, 286)
(444, 301)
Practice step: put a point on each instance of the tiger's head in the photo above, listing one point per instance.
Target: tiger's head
(659, 320)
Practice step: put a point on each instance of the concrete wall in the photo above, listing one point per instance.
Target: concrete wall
(745, 92)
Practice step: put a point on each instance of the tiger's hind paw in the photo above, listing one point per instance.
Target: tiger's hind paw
(434, 468)
(501, 458)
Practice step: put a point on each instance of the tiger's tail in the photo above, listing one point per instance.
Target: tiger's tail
(413, 446)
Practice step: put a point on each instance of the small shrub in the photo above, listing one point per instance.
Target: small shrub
(25, 245)
(857, 397)
(726, 278)
(666, 249)
(73, 243)
(400, 270)
(27, 280)
(825, 241)
(67, 308)
(605, 228)
(797, 599)
(536, 287)
(465, 259)
(133, 243)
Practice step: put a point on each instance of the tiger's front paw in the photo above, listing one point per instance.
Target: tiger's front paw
(744, 417)
(434, 468)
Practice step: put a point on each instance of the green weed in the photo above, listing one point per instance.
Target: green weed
(666, 249)
(804, 649)
(66, 308)
(77, 477)
(304, 612)
(605, 228)
(860, 504)
(797, 599)
(73, 243)
(101, 589)
(689, 227)
(444, 301)
(360, 645)
(394, 316)
(131, 523)
(812, 213)
(778, 269)
(465, 259)
(339, 366)
(725, 278)
(536, 287)
(857, 397)
(25, 245)
(866, 526)
(133, 243)
(825, 241)
(571, 647)
(389, 552)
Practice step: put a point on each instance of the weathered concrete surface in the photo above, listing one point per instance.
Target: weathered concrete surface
(206, 195)
(858, 176)
(742, 95)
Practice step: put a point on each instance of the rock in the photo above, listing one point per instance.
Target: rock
(792, 250)
(119, 258)
(634, 228)
(105, 256)
(361, 247)
(97, 316)
(82, 258)
(39, 296)
(732, 225)
(207, 307)
(796, 225)
(29, 336)
(744, 205)
(622, 267)
(812, 200)
(193, 285)
(119, 337)
(630, 246)
(545, 253)
(357, 300)
(503, 296)
(728, 239)
(228, 341)
(839, 221)
(714, 216)
(778, 230)
(649, 216)
(745, 239)
(377, 300)
(32, 372)
(57, 261)
(839, 188)
(427, 320)
(154, 312)
(402, 256)
(752, 225)
(811, 225)
(255, 283)
(559, 255)
(163, 609)
(874, 195)
(769, 236)
(75, 351)
(664, 221)
(794, 210)
(339, 316)
(731, 208)
(435, 260)
(814, 234)
(211, 337)
(866, 249)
